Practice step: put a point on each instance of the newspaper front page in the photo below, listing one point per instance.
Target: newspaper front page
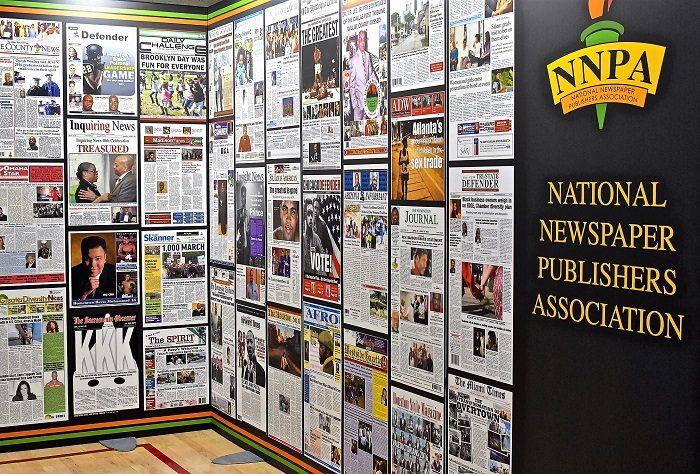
(32, 89)
(175, 367)
(365, 246)
(417, 431)
(481, 271)
(173, 174)
(249, 90)
(322, 226)
(223, 340)
(103, 172)
(481, 79)
(220, 44)
(33, 361)
(174, 277)
(365, 74)
(320, 84)
(104, 76)
(323, 400)
(418, 147)
(250, 235)
(417, 44)
(284, 234)
(251, 366)
(32, 229)
(480, 434)
(105, 268)
(284, 405)
(282, 80)
(173, 74)
(366, 413)
(222, 249)
(417, 295)
(106, 377)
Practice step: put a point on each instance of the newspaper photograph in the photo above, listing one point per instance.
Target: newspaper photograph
(417, 295)
(174, 277)
(284, 234)
(284, 405)
(480, 418)
(250, 235)
(173, 174)
(222, 182)
(173, 74)
(249, 90)
(251, 406)
(33, 362)
(365, 73)
(32, 90)
(323, 400)
(321, 240)
(222, 321)
(417, 44)
(221, 71)
(417, 430)
(418, 147)
(366, 246)
(106, 377)
(366, 413)
(32, 229)
(320, 84)
(104, 76)
(480, 278)
(481, 79)
(282, 80)
(175, 367)
(106, 149)
(104, 268)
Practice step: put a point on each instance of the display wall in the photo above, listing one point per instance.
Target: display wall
(296, 222)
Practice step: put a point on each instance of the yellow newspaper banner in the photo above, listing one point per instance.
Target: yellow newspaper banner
(637, 65)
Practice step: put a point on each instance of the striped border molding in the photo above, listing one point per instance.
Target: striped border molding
(14, 438)
(129, 14)
(206, 419)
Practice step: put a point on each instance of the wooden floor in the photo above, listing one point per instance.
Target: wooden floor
(182, 453)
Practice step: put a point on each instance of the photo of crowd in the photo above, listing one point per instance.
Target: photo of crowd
(282, 38)
(183, 265)
(355, 390)
(168, 93)
(420, 357)
(411, 441)
(14, 29)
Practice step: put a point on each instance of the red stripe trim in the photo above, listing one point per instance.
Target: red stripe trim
(55, 456)
(162, 457)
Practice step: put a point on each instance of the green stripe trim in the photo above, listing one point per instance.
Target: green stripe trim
(228, 8)
(242, 439)
(120, 11)
(104, 432)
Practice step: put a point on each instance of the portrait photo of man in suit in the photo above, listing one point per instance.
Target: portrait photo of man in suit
(252, 371)
(94, 277)
(124, 189)
(361, 72)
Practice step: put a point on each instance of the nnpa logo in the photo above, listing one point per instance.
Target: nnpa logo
(607, 70)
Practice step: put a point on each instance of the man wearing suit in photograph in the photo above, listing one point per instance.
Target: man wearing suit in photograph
(94, 277)
(124, 189)
(243, 230)
(252, 370)
(361, 72)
